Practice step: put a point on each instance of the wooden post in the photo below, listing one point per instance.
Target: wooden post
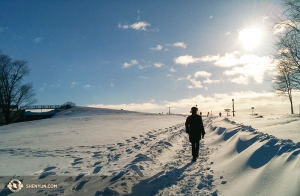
(233, 107)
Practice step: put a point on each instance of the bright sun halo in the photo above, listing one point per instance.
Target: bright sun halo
(250, 38)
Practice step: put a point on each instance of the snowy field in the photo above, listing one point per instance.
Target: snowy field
(91, 151)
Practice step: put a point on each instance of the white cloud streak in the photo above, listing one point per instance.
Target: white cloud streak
(173, 70)
(195, 83)
(74, 84)
(86, 86)
(159, 65)
(158, 47)
(180, 44)
(202, 74)
(38, 40)
(127, 65)
(137, 26)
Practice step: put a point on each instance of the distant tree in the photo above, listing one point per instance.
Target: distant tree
(12, 92)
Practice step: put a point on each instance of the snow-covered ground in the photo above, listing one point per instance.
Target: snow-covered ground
(92, 151)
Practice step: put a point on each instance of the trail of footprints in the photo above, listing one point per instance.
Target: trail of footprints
(159, 162)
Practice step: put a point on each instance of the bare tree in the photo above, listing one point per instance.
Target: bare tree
(283, 83)
(12, 92)
(287, 49)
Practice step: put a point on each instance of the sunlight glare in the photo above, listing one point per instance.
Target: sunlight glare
(250, 38)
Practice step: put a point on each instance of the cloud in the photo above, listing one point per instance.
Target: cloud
(43, 87)
(169, 75)
(38, 40)
(158, 47)
(242, 75)
(263, 102)
(154, 30)
(2, 29)
(228, 60)
(246, 66)
(87, 86)
(195, 83)
(143, 77)
(180, 44)
(137, 26)
(140, 26)
(185, 60)
(74, 84)
(141, 67)
(227, 33)
(111, 84)
(211, 16)
(172, 70)
(126, 65)
(209, 81)
(159, 65)
(202, 74)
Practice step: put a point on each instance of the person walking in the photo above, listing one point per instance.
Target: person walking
(194, 127)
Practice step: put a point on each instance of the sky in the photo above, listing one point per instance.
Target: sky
(147, 55)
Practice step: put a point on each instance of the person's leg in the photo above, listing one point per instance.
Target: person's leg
(193, 149)
(197, 149)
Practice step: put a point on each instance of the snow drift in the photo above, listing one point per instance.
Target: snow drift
(91, 151)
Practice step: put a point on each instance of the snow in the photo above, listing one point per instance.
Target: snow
(92, 151)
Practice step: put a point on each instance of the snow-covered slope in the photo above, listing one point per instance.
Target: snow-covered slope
(89, 151)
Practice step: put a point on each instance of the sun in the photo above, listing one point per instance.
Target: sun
(250, 38)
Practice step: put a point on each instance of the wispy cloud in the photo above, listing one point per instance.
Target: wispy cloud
(132, 62)
(111, 84)
(202, 74)
(2, 29)
(159, 65)
(173, 70)
(86, 86)
(211, 16)
(38, 40)
(209, 81)
(43, 87)
(180, 44)
(185, 60)
(195, 83)
(158, 47)
(74, 84)
(137, 26)
(227, 33)
(140, 26)
(143, 77)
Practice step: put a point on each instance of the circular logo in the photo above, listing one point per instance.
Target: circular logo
(15, 185)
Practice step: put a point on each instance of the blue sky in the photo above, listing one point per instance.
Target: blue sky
(145, 55)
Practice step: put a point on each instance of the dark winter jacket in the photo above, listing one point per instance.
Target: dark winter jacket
(194, 127)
